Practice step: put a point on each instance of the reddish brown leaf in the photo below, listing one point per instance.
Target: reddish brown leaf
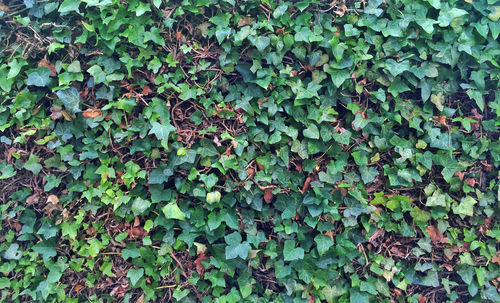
(311, 299)
(422, 298)
(487, 167)
(92, 113)
(199, 267)
(146, 90)
(448, 267)
(436, 235)
(329, 234)
(460, 175)
(52, 199)
(245, 20)
(137, 221)
(476, 116)
(48, 65)
(470, 181)
(496, 259)
(268, 196)
(261, 167)
(140, 299)
(376, 235)
(307, 184)
(78, 288)
(397, 292)
(440, 120)
(32, 199)
(397, 252)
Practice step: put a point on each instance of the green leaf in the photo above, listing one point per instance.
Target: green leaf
(494, 16)
(359, 297)
(135, 275)
(339, 76)
(140, 205)
(213, 197)
(179, 293)
(235, 248)
(172, 211)
(311, 132)
(260, 42)
(161, 130)
(40, 77)
(466, 207)
(291, 253)
(32, 164)
(69, 6)
(74, 67)
(446, 16)
(478, 97)
(323, 243)
(98, 74)
(396, 68)
(46, 249)
(13, 252)
(368, 173)
(71, 99)
(437, 199)
(187, 92)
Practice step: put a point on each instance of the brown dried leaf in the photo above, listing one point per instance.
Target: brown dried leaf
(448, 267)
(140, 299)
(460, 175)
(3, 7)
(268, 196)
(496, 259)
(146, 90)
(436, 235)
(47, 64)
(199, 267)
(245, 20)
(470, 181)
(52, 199)
(487, 167)
(32, 199)
(92, 113)
(421, 298)
(78, 288)
(476, 116)
(379, 233)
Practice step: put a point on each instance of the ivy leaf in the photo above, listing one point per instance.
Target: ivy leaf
(32, 164)
(368, 173)
(311, 132)
(323, 243)
(466, 207)
(161, 130)
(187, 92)
(478, 97)
(172, 211)
(13, 252)
(235, 247)
(69, 6)
(135, 275)
(260, 42)
(40, 77)
(140, 205)
(290, 252)
(46, 249)
(71, 99)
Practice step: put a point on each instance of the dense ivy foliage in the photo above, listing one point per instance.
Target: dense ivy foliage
(244, 150)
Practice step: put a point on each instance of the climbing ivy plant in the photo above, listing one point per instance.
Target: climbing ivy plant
(249, 151)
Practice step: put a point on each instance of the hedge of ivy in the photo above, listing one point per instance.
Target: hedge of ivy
(249, 151)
